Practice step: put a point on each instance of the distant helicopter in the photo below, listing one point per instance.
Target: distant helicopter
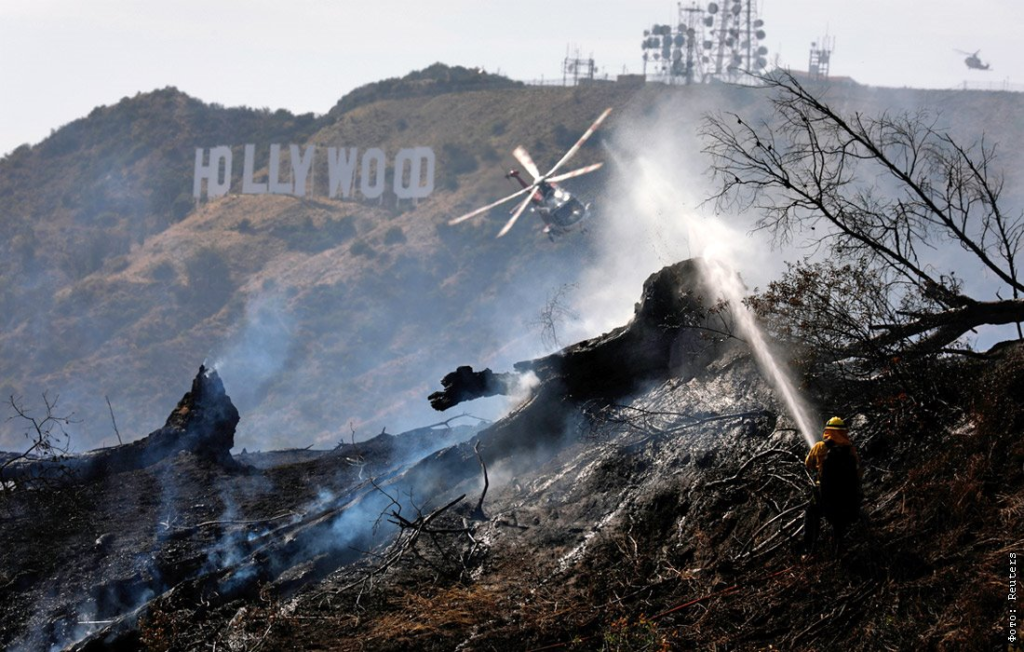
(973, 61)
(554, 204)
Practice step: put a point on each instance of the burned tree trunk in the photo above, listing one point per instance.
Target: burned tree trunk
(464, 384)
(202, 423)
(672, 331)
(668, 334)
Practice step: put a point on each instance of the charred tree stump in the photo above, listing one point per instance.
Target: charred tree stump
(671, 332)
(202, 423)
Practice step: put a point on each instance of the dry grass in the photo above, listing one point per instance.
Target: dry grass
(414, 615)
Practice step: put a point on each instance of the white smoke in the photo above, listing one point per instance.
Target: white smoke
(257, 353)
(655, 214)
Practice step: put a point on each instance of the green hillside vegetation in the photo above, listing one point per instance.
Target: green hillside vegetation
(124, 169)
(114, 283)
(437, 79)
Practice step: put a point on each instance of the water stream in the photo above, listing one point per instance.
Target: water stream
(650, 214)
(721, 275)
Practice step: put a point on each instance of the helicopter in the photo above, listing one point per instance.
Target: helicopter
(972, 60)
(555, 205)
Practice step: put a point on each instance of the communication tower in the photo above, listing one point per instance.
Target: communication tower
(671, 53)
(817, 65)
(734, 49)
(715, 42)
(575, 67)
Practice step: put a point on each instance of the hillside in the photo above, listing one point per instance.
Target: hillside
(654, 509)
(331, 318)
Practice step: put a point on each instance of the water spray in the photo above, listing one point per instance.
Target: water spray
(653, 198)
(725, 280)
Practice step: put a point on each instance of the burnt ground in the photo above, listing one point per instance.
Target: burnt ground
(630, 540)
(664, 517)
(76, 556)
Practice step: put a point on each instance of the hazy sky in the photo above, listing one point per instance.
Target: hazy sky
(61, 58)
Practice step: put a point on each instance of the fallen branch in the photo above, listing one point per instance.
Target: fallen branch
(409, 534)
(657, 431)
(739, 473)
(478, 513)
(259, 521)
(845, 604)
(113, 420)
(447, 422)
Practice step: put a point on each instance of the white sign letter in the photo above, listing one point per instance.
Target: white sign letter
(300, 167)
(248, 187)
(419, 186)
(374, 154)
(341, 171)
(216, 184)
(277, 187)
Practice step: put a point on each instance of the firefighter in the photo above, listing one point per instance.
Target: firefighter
(836, 468)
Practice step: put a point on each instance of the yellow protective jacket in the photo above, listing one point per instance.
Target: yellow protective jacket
(816, 458)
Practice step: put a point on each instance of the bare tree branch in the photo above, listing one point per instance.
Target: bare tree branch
(883, 191)
(48, 443)
(113, 420)
(478, 512)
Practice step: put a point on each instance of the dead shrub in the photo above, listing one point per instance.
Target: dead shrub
(413, 618)
(159, 630)
(640, 635)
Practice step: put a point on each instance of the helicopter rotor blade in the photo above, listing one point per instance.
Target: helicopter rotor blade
(579, 143)
(515, 216)
(526, 161)
(575, 173)
(488, 207)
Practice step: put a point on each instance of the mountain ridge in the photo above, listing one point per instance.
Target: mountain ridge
(339, 314)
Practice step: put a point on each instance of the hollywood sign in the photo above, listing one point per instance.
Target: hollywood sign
(412, 172)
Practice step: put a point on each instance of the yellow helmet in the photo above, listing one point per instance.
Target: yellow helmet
(835, 422)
